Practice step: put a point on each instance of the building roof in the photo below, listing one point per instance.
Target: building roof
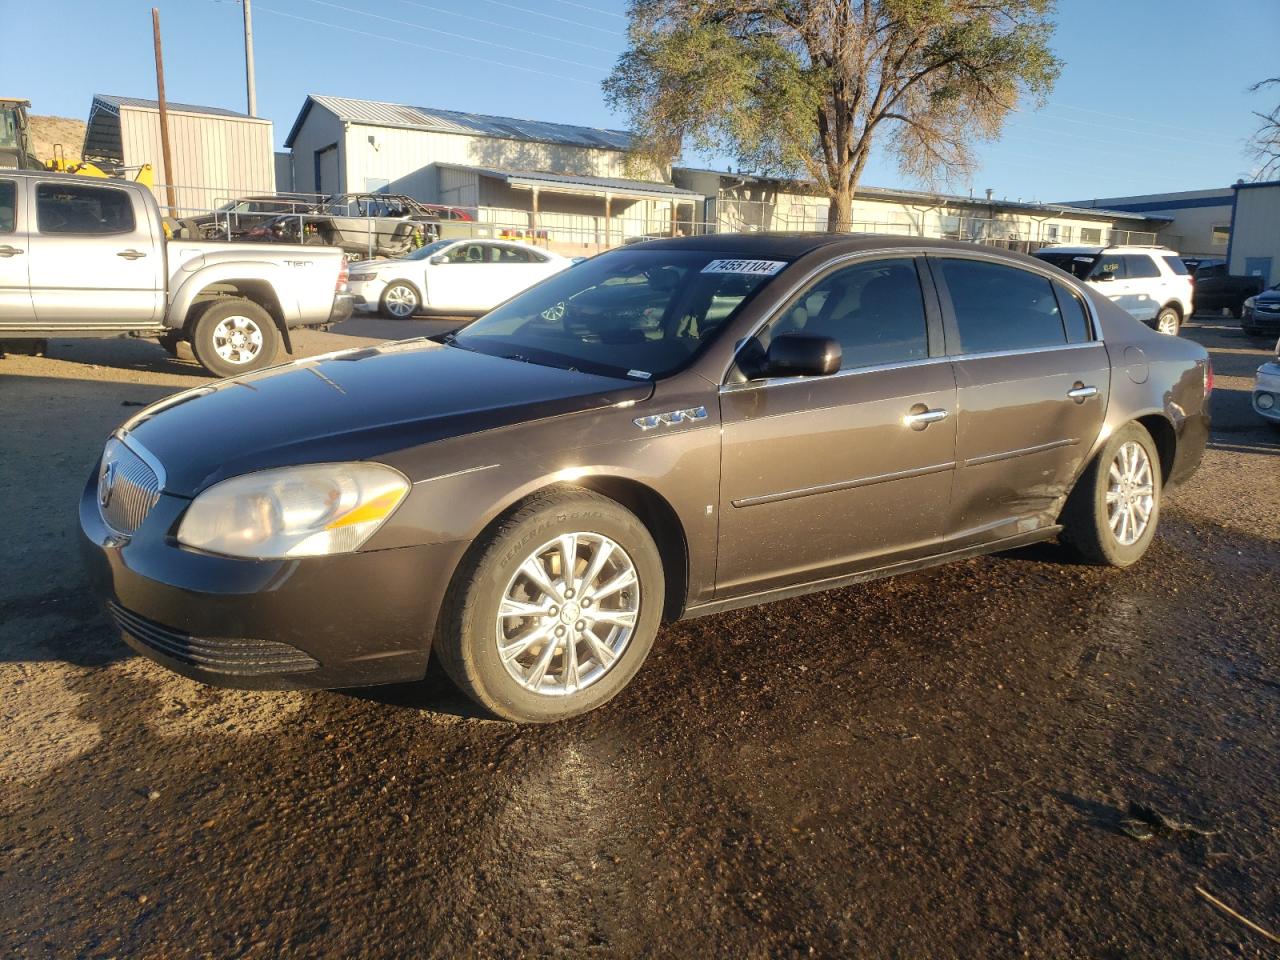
(933, 199)
(380, 114)
(114, 103)
(570, 183)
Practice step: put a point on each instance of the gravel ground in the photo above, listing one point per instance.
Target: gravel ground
(937, 765)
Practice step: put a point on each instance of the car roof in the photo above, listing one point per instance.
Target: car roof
(794, 245)
(1095, 250)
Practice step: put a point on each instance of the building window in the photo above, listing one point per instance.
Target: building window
(1220, 235)
(1051, 231)
(1090, 235)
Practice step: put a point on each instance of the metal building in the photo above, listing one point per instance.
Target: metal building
(1254, 250)
(217, 154)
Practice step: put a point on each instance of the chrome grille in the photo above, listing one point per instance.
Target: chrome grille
(128, 488)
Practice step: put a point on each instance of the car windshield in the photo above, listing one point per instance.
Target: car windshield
(1077, 264)
(628, 313)
(430, 250)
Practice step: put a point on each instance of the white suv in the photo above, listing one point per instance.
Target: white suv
(1151, 283)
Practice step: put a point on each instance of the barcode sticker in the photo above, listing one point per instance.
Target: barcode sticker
(758, 268)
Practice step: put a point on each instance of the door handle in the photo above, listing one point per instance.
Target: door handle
(131, 254)
(8, 251)
(919, 419)
(1080, 393)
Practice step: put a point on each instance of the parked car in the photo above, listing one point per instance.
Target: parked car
(235, 218)
(366, 226)
(1217, 290)
(80, 256)
(1150, 283)
(1266, 390)
(531, 496)
(1260, 314)
(452, 277)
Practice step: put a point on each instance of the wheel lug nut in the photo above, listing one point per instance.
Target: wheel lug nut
(580, 626)
(586, 602)
(559, 631)
(568, 594)
(554, 611)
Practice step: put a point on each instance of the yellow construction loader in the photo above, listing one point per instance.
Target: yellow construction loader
(16, 149)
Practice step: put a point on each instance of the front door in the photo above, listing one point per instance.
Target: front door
(1033, 385)
(823, 476)
(94, 261)
(15, 287)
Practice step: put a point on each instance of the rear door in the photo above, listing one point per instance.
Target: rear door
(1148, 288)
(827, 475)
(1033, 384)
(94, 261)
(15, 288)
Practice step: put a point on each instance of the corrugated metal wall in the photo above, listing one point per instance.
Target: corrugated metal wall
(214, 158)
(1255, 230)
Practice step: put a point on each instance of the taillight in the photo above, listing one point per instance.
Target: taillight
(343, 276)
(1208, 377)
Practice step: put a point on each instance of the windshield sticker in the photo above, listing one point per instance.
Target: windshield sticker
(755, 268)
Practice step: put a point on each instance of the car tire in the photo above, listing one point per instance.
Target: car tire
(603, 642)
(1125, 476)
(234, 336)
(399, 301)
(1168, 321)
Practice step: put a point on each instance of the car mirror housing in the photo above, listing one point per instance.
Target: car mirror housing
(1105, 276)
(437, 259)
(803, 355)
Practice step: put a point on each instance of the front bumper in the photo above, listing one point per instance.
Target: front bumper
(1268, 385)
(319, 622)
(1267, 321)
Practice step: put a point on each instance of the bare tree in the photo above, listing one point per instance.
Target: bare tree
(804, 87)
(1264, 148)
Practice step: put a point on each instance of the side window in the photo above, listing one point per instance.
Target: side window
(71, 208)
(510, 255)
(8, 206)
(1075, 316)
(468, 253)
(1140, 266)
(1111, 264)
(1177, 266)
(875, 311)
(1002, 308)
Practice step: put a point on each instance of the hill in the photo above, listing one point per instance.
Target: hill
(46, 131)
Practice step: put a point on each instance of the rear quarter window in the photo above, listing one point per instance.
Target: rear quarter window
(1075, 315)
(1140, 266)
(1177, 266)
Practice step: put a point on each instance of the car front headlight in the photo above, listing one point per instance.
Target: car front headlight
(306, 511)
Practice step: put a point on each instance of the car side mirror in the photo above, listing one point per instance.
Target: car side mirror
(437, 259)
(1105, 276)
(802, 355)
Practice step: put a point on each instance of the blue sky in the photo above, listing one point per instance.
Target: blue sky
(1153, 95)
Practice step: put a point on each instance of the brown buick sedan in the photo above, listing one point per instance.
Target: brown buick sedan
(668, 430)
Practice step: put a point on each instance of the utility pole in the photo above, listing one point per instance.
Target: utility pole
(170, 195)
(248, 57)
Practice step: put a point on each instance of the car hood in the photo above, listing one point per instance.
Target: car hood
(356, 405)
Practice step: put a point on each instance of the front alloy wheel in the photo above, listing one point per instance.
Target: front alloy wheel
(554, 610)
(399, 301)
(568, 613)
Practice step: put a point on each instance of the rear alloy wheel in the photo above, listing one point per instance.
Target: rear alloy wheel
(400, 301)
(235, 336)
(1111, 516)
(556, 610)
(1168, 322)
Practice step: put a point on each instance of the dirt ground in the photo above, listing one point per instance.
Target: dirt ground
(948, 764)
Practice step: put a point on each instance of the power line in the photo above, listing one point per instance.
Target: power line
(1141, 133)
(507, 26)
(552, 16)
(459, 36)
(423, 46)
(1117, 116)
(584, 6)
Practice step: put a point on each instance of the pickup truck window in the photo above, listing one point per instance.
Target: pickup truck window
(71, 208)
(8, 205)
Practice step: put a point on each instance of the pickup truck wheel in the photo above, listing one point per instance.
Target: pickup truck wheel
(399, 301)
(235, 336)
(1110, 517)
(1168, 321)
(555, 610)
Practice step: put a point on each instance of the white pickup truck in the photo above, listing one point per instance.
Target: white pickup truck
(83, 256)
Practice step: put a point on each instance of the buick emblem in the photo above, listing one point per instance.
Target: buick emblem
(106, 482)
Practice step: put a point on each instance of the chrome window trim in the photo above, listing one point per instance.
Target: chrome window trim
(950, 358)
(1048, 271)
